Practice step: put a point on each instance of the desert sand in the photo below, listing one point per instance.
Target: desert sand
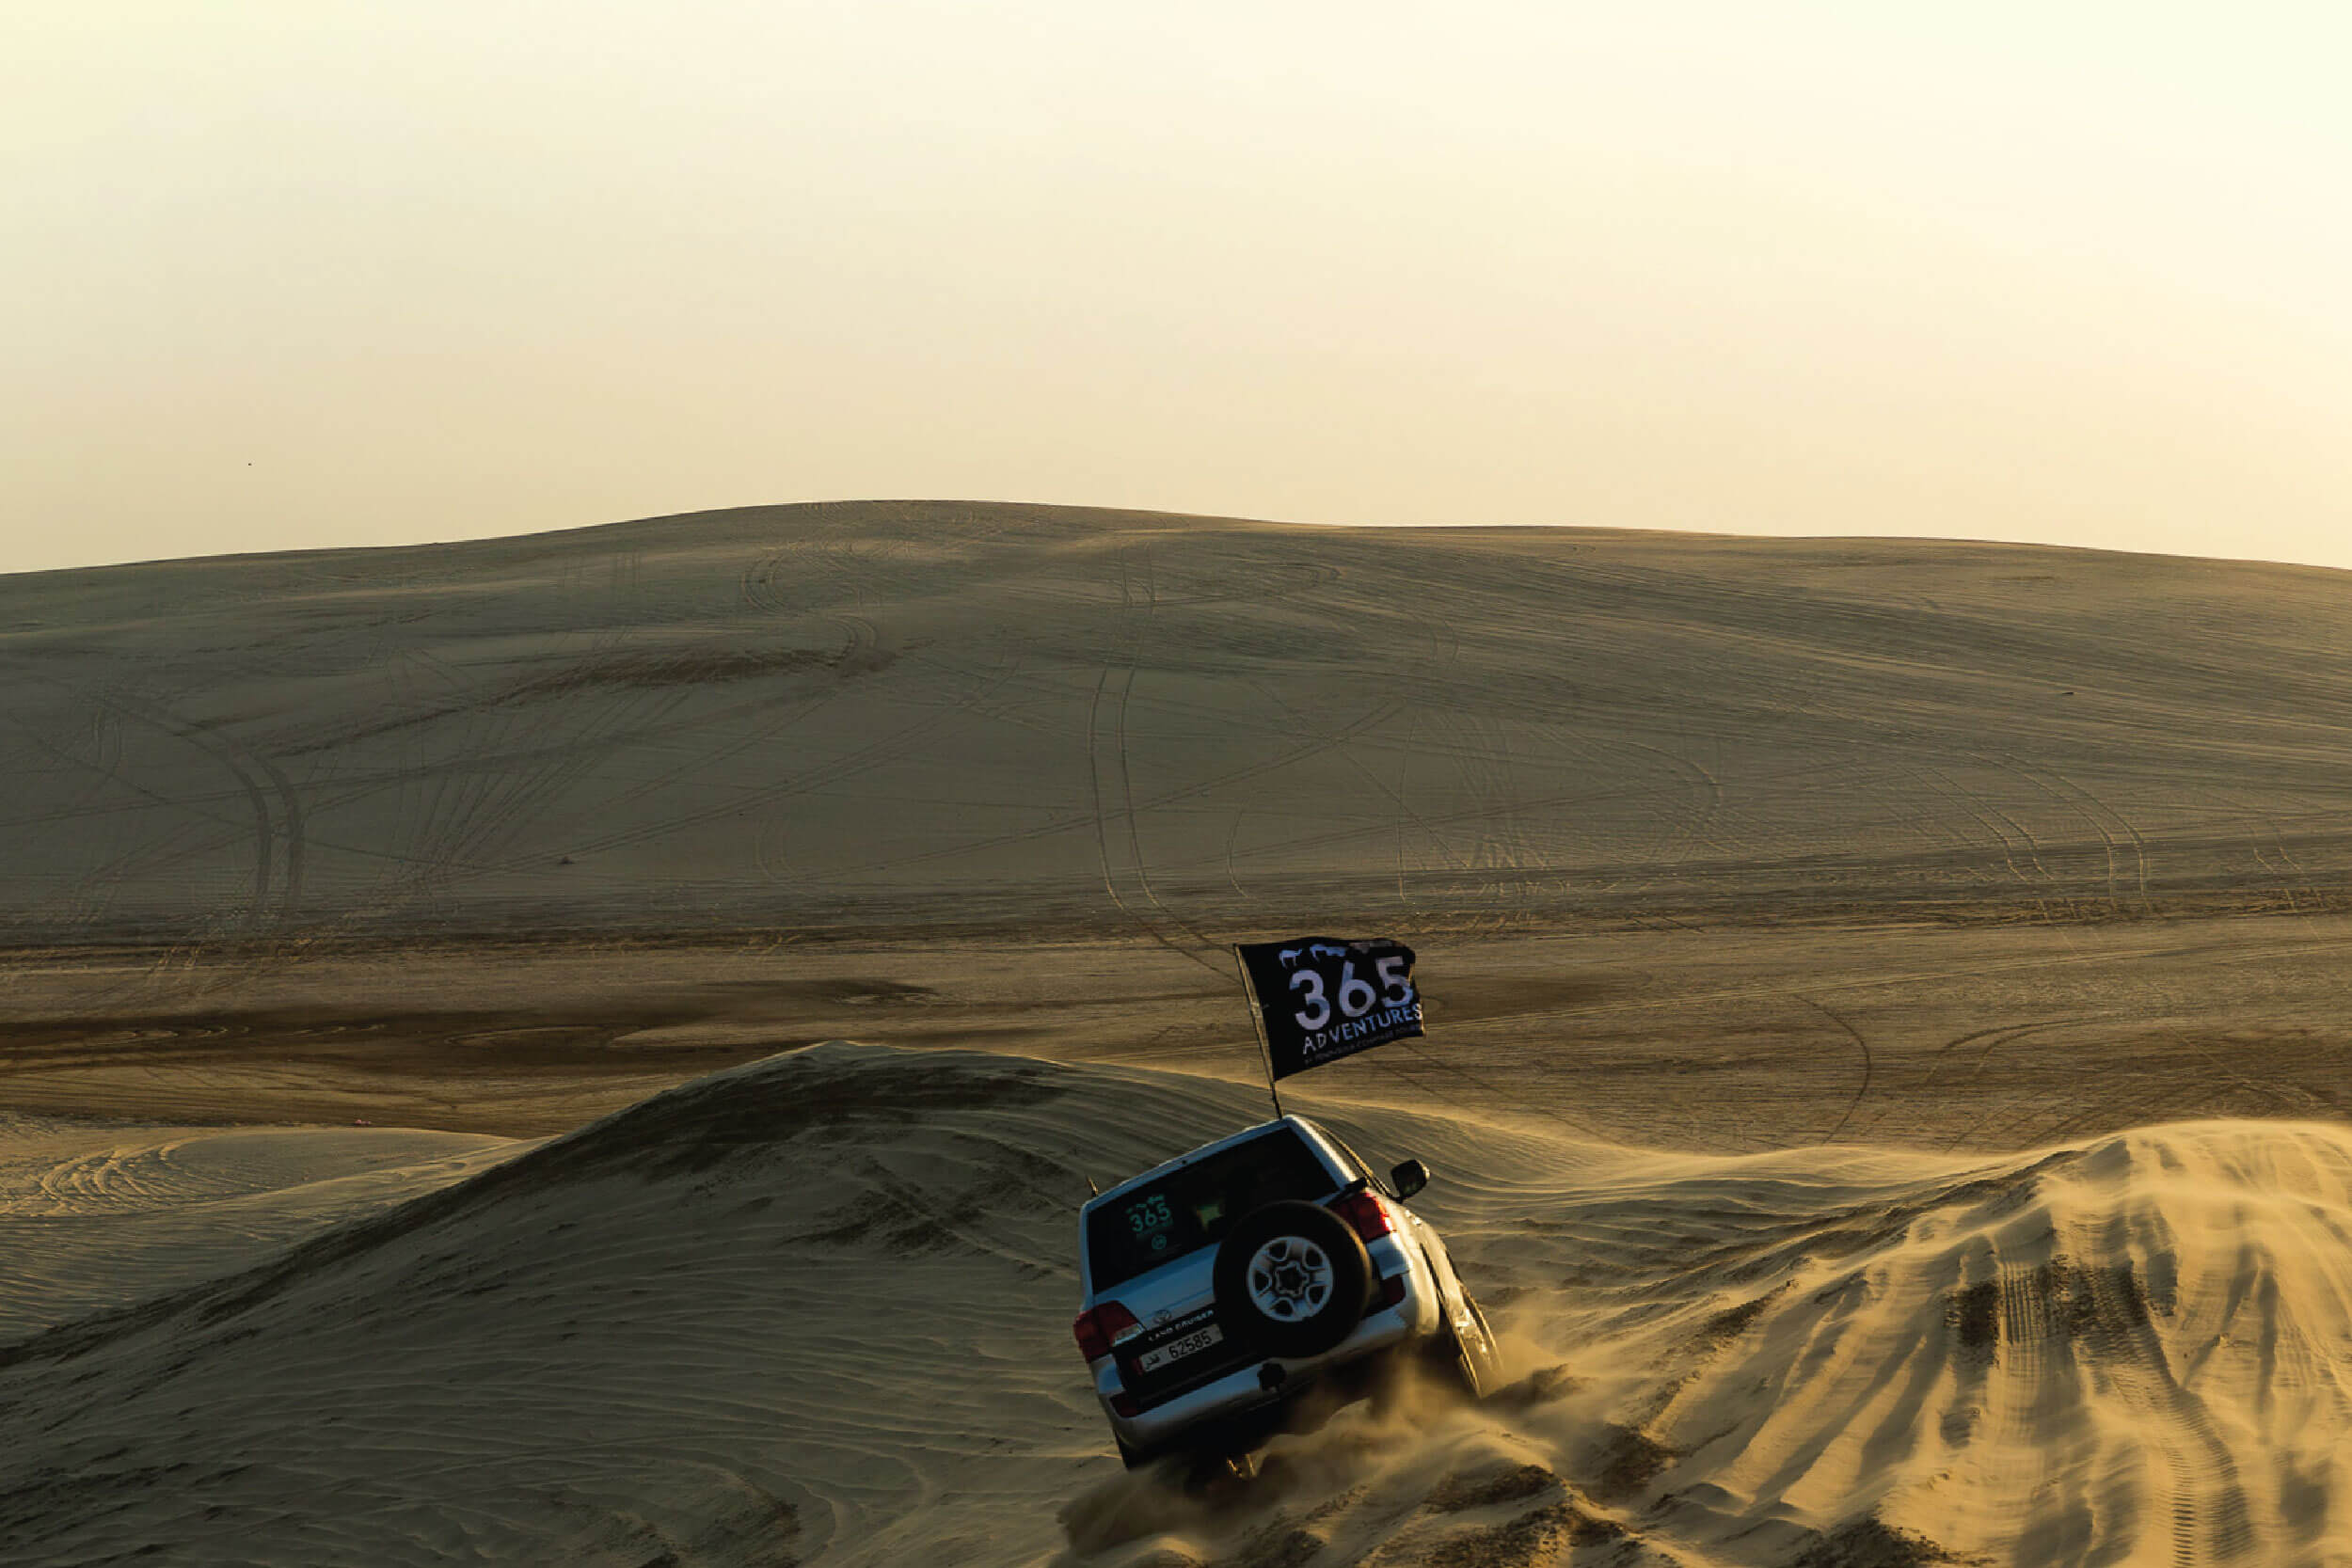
(586, 1047)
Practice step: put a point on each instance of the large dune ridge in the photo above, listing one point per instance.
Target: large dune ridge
(1712, 842)
(815, 1308)
(587, 1047)
(963, 716)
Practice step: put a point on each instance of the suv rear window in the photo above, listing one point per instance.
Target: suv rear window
(1193, 1207)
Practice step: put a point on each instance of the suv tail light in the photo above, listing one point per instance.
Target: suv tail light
(1099, 1329)
(1364, 1214)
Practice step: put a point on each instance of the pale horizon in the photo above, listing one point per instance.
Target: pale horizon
(1045, 507)
(298, 280)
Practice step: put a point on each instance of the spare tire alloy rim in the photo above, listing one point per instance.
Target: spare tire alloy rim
(1289, 1279)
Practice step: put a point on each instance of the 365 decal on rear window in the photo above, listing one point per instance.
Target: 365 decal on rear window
(1193, 1207)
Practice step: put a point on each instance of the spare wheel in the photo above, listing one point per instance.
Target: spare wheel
(1290, 1279)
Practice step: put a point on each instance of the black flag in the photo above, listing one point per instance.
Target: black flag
(1322, 998)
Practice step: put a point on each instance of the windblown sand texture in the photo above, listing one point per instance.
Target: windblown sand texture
(1885, 1071)
(814, 1310)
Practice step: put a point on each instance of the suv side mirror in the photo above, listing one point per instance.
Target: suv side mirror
(1410, 1178)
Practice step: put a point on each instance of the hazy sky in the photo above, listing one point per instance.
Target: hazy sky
(314, 274)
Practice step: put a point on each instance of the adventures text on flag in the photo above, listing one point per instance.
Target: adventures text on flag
(1321, 998)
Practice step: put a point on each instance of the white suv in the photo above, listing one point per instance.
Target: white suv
(1222, 1286)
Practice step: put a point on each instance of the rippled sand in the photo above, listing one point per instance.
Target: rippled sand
(815, 1309)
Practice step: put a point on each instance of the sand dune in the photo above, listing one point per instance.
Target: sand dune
(815, 1310)
(965, 716)
(1888, 1013)
(1720, 844)
(96, 1216)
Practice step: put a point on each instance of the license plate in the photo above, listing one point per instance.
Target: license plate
(1176, 1350)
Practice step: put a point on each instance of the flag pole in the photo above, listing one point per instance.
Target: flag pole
(1257, 1024)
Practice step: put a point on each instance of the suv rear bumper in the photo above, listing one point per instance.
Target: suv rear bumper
(1250, 1396)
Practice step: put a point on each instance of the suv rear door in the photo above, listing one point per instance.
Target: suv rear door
(1153, 1248)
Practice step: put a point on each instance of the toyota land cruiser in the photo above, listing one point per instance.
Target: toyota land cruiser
(1222, 1286)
